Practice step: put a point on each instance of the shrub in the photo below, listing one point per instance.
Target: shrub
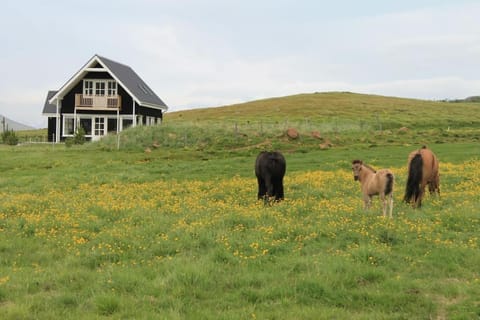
(78, 138)
(9, 137)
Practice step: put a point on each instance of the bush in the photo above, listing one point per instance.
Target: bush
(78, 138)
(9, 137)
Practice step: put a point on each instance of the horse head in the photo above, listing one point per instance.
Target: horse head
(356, 168)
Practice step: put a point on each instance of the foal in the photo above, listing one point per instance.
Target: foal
(374, 183)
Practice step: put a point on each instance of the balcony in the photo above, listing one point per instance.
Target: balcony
(84, 102)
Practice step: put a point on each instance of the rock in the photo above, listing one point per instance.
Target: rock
(292, 133)
(326, 145)
(316, 135)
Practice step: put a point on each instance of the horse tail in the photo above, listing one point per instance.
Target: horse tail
(389, 184)
(415, 174)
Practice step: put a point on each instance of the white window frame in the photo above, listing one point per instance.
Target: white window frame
(88, 87)
(111, 88)
(80, 118)
(100, 130)
(66, 119)
(92, 118)
(100, 87)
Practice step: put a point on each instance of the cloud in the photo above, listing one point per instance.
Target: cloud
(209, 55)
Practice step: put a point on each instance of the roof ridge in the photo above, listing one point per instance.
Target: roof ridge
(105, 58)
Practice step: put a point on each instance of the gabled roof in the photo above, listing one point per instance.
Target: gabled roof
(125, 77)
(48, 107)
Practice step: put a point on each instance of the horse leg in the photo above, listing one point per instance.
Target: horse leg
(367, 200)
(384, 204)
(420, 195)
(270, 191)
(391, 204)
(262, 189)
(434, 186)
(278, 187)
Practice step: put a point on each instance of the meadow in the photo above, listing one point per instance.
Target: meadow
(176, 232)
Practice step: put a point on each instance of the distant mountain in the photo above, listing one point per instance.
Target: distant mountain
(7, 124)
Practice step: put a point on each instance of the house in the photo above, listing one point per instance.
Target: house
(103, 97)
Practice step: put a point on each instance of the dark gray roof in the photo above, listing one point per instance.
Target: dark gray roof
(126, 77)
(132, 82)
(49, 108)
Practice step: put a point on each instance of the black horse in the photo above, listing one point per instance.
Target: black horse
(270, 168)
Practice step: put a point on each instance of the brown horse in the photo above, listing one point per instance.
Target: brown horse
(374, 183)
(422, 171)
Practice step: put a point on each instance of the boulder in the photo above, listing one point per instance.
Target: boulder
(292, 133)
(316, 135)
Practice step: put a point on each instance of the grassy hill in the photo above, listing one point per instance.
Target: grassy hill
(334, 119)
(323, 107)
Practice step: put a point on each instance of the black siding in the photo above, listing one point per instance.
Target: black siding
(51, 128)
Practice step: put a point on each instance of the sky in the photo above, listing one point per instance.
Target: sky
(197, 54)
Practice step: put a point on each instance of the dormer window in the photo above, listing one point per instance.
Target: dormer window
(99, 87)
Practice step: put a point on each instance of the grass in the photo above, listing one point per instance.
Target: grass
(91, 232)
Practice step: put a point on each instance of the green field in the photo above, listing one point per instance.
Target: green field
(163, 222)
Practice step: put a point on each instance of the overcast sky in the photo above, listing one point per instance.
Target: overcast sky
(217, 52)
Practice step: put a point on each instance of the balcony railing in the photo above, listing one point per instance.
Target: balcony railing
(98, 102)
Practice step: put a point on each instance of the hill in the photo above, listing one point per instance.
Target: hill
(8, 124)
(323, 120)
(341, 106)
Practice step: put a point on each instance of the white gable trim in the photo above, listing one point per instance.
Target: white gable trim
(73, 80)
(82, 72)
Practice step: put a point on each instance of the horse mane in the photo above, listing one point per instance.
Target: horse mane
(368, 167)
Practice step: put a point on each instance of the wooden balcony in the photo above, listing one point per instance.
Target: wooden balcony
(83, 102)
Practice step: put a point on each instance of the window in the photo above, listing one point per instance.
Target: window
(88, 87)
(112, 88)
(112, 125)
(68, 128)
(86, 124)
(127, 123)
(99, 126)
(99, 88)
